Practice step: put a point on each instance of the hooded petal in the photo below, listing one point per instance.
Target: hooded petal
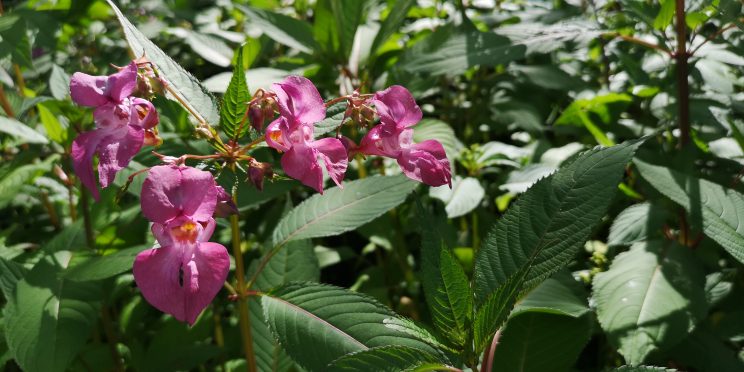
(299, 100)
(335, 157)
(397, 108)
(171, 191)
(143, 114)
(378, 142)
(83, 149)
(301, 163)
(121, 84)
(426, 162)
(88, 90)
(225, 204)
(182, 280)
(275, 135)
(116, 150)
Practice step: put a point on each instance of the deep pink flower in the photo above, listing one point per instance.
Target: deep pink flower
(424, 162)
(182, 276)
(300, 107)
(121, 124)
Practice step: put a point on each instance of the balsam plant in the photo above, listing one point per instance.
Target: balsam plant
(563, 192)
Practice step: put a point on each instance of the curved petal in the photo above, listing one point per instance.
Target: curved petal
(181, 280)
(301, 163)
(113, 115)
(171, 191)
(377, 142)
(397, 108)
(116, 151)
(426, 162)
(88, 90)
(121, 84)
(143, 114)
(299, 100)
(198, 194)
(83, 149)
(275, 135)
(335, 157)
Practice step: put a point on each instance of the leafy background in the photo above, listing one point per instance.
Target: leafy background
(628, 255)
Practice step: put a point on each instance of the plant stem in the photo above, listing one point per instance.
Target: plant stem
(245, 319)
(487, 365)
(683, 88)
(19, 80)
(640, 42)
(5, 103)
(111, 338)
(86, 217)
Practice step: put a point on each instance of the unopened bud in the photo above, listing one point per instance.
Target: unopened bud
(257, 171)
(256, 116)
(225, 204)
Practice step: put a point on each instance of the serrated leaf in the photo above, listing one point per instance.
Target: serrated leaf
(636, 223)
(316, 324)
(192, 94)
(340, 210)
(10, 273)
(334, 118)
(286, 30)
(559, 294)
(651, 298)
(383, 359)
(102, 267)
(392, 23)
(21, 131)
(233, 120)
(541, 342)
(464, 196)
(721, 209)
(550, 222)
(495, 309)
(49, 319)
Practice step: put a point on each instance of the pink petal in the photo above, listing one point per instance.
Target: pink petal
(397, 108)
(83, 149)
(143, 114)
(275, 135)
(182, 280)
(426, 162)
(88, 90)
(301, 163)
(171, 191)
(116, 150)
(378, 142)
(121, 84)
(299, 100)
(335, 157)
(111, 115)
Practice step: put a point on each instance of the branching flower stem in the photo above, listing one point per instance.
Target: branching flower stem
(245, 320)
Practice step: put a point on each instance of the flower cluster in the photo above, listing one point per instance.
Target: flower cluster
(185, 272)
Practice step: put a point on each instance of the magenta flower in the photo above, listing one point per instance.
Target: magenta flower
(300, 107)
(182, 276)
(121, 124)
(424, 162)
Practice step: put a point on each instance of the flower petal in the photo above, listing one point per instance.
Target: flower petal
(171, 191)
(301, 163)
(88, 90)
(275, 135)
(120, 85)
(182, 280)
(426, 162)
(143, 114)
(378, 142)
(335, 157)
(299, 100)
(116, 150)
(397, 108)
(83, 149)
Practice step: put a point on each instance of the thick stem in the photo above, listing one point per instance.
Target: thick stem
(53, 218)
(20, 80)
(111, 338)
(683, 87)
(5, 103)
(487, 365)
(245, 319)
(86, 217)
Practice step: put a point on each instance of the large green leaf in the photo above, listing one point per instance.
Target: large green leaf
(636, 223)
(283, 29)
(383, 359)
(21, 131)
(335, 26)
(541, 342)
(11, 182)
(316, 323)
(464, 196)
(446, 286)
(651, 298)
(392, 23)
(10, 273)
(551, 221)
(189, 90)
(49, 318)
(233, 119)
(559, 294)
(721, 209)
(340, 210)
(432, 129)
(451, 51)
(496, 309)
(102, 267)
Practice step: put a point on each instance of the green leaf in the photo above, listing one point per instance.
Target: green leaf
(10, 273)
(392, 23)
(643, 369)
(383, 359)
(209, 47)
(551, 221)
(11, 182)
(334, 119)
(286, 30)
(59, 83)
(636, 223)
(49, 319)
(664, 18)
(71, 238)
(446, 286)
(336, 22)
(55, 130)
(14, 40)
(450, 51)
(316, 323)
(233, 120)
(495, 310)
(21, 131)
(559, 294)
(102, 267)
(651, 298)
(465, 195)
(721, 209)
(340, 210)
(541, 342)
(703, 350)
(188, 89)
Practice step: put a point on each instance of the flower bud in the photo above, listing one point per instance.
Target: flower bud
(256, 116)
(257, 171)
(225, 204)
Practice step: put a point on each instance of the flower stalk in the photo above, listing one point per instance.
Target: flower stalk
(244, 316)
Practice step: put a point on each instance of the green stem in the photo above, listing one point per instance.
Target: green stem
(683, 87)
(245, 319)
(89, 240)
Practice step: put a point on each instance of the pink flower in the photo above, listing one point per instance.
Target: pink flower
(182, 276)
(121, 124)
(424, 162)
(300, 107)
